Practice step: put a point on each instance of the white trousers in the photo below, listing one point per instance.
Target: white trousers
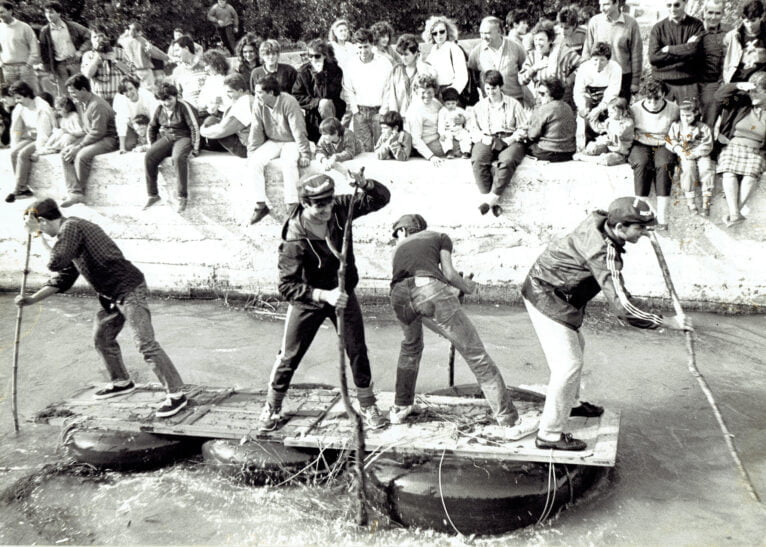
(258, 160)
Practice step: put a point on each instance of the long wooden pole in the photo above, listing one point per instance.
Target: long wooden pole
(451, 362)
(692, 366)
(17, 337)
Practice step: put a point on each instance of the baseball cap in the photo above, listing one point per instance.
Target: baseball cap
(316, 186)
(414, 223)
(631, 210)
(44, 208)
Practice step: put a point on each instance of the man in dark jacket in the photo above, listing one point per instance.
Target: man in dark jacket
(62, 43)
(569, 273)
(309, 258)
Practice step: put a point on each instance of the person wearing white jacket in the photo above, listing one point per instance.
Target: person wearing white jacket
(131, 100)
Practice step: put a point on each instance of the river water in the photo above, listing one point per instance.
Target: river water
(675, 481)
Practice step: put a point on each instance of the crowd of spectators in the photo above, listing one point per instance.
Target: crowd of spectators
(569, 86)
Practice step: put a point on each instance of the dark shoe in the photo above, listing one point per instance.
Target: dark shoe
(259, 213)
(566, 442)
(661, 228)
(450, 155)
(497, 210)
(21, 194)
(466, 155)
(373, 419)
(172, 406)
(10, 198)
(484, 208)
(151, 200)
(112, 390)
(72, 200)
(269, 418)
(587, 410)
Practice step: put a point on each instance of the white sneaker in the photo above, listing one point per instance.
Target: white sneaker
(398, 414)
(524, 426)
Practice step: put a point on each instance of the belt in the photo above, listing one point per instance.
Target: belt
(362, 107)
(14, 64)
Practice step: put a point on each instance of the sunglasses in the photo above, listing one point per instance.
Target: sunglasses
(439, 32)
(314, 55)
(674, 5)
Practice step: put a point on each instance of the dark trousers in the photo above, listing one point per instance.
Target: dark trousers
(163, 147)
(627, 80)
(301, 326)
(708, 104)
(226, 34)
(493, 169)
(233, 145)
(547, 155)
(651, 164)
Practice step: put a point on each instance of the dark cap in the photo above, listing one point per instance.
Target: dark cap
(631, 210)
(44, 208)
(316, 186)
(413, 224)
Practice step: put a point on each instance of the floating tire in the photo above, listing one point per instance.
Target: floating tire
(126, 451)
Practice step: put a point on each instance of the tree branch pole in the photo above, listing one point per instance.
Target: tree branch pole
(692, 366)
(361, 518)
(451, 362)
(17, 338)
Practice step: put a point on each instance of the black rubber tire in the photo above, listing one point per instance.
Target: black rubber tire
(125, 451)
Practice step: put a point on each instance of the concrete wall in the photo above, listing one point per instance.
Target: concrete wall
(212, 249)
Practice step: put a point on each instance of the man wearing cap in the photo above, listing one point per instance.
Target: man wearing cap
(309, 258)
(423, 291)
(83, 248)
(566, 276)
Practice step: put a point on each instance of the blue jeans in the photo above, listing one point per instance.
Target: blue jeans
(77, 171)
(436, 305)
(367, 126)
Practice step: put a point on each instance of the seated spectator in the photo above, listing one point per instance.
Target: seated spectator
(382, 36)
(651, 162)
(423, 120)
(196, 48)
(232, 130)
(498, 131)
(454, 137)
(398, 93)
(100, 137)
(285, 74)
(445, 55)
(7, 104)
(498, 53)
(173, 131)
(572, 33)
(691, 140)
(131, 100)
(69, 129)
(394, 142)
(140, 125)
(745, 45)
(277, 130)
(247, 56)
(742, 131)
(614, 136)
(549, 59)
(518, 22)
(189, 74)
(597, 82)
(32, 123)
(552, 124)
(212, 99)
(104, 65)
(141, 53)
(337, 144)
(319, 86)
(364, 82)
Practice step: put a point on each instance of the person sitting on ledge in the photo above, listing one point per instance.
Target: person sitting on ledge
(231, 131)
(83, 248)
(552, 125)
(277, 130)
(337, 144)
(394, 142)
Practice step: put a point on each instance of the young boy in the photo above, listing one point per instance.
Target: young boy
(394, 142)
(140, 124)
(455, 138)
(337, 144)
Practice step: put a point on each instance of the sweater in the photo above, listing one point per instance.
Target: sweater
(282, 122)
(365, 83)
(690, 143)
(680, 65)
(18, 44)
(508, 61)
(98, 120)
(179, 123)
(422, 123)
(285, 74)
(553, 127)
(652, 127)
(624, 36)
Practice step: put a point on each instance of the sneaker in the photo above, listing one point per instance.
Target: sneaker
(484, 208)
(151, 200)
(524, 426)
(497, 210)
(269, 418)
(181, 205)
(72, 200)
(172, 406)
(565, 442)
(693, 208)
(373, 419)
(112, 390)
(729, 221)
(587, 410)
(21, 194)
(259, 213)
(398, 414)
(705, 208)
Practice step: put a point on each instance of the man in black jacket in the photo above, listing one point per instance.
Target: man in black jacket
(569, 273)
(309, 258)
(62, 43)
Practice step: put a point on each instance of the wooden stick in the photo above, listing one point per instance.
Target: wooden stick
(17, 338)
(692, 366)
(451, 362)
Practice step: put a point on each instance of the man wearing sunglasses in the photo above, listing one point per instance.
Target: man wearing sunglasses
(309, 258)
(674, 48)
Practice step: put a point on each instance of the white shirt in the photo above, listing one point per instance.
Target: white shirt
(587, 75)
(365, 83)
(125, 109)
(450, 64)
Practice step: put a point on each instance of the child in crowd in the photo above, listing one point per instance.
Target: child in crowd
(615, 136)
(455, 138)
(692, 141)
(336, 144)
(69, 130)
(394, 142)
(140, 124)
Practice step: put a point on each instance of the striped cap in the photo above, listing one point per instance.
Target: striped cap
(316, 186)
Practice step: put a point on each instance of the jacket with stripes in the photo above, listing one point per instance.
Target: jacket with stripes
(179, 123)
(575, 268)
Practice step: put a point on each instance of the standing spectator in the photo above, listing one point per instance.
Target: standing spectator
(364, 81)
(277, 130)
(445, 55)
(597, 83)
(247, 55)
(746, 45)
(399, 89)
(422, 120)
(188, 75)
(285, 74)
(100, 137)
(552, 124)
(33, 122)
(518, 22)
(651, 162)
(132, 100)
(319, 86)
(7, 104)
(212, 99)
(674, 51)
(226, 21)
(62, 45)
(19, 49)
(382, 36)
(394, 142)
(621, 32)
(141, 53)
(173, 131)
(498, 133)
(197, 49)
(496, 52)
(712, 54)
(453, 135)
(104, 65)
(549, 59)
(572, 33)
(232, 130)
(339, 37)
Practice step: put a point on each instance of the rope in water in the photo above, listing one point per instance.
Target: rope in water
(441, 496)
